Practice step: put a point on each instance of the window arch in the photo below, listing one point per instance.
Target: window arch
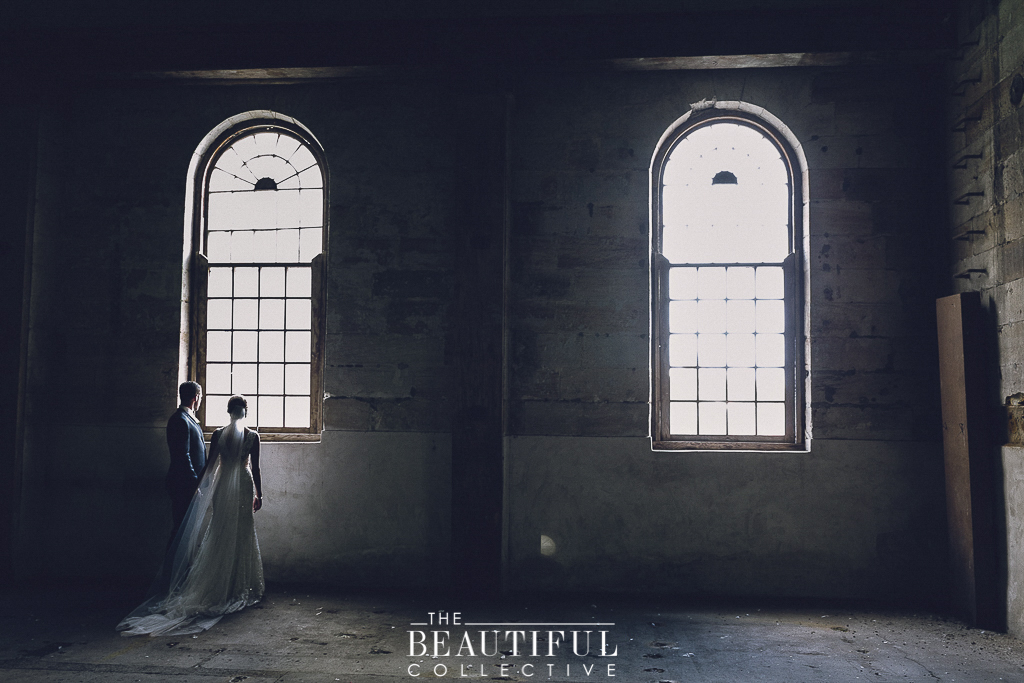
(259, 240)
(729, 331)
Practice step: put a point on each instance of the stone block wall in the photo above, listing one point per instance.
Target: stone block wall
(984, 162)
(488, 347)
(862, 513)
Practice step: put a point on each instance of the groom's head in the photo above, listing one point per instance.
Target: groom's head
(191, 394)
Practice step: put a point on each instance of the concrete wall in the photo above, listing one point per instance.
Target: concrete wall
(859, 516)
(103, 361)
(985, 166)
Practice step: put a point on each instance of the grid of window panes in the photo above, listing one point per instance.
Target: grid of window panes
(727, 350)
(264, 227)
(726, 233)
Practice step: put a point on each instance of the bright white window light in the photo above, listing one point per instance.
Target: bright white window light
(264, 225)
(726, 235)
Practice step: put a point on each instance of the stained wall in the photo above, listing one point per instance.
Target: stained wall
(985, 167)
(454, 301)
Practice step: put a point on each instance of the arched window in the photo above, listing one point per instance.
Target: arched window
(258, 277)
(728, 342)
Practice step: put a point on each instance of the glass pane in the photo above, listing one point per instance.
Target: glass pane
(302, 158)
(711, 384)
(711, 283)
(296, 411)
(771, 350)
(218, 314)
(272, 282)
(272, 314)
(771, 316)
(271, 378)
(682, 383)
(740, 283)
(243, 247)
(299, 282)
(271, 346)
(771, 384)
(311, 243)
(770, 284)
(740, 316)
(740, 350)
(264, 246)
(246, 314)
(771, 419)
(271, 167)
(711, 418)
(711, 350)
(711, 315)
(682, 316)
(742, 419)
(218, 247)
(243, 378)
(216, 410)
(296, 379)
(244, 346)
(222, 181)
(252, 410)
(287, 246)
(219, 283)
(247, 282)
(218, 378)
(218, 346)
(682, 350)
(299, 316)
(311, 208)
(682, 283)
(233, 164)
(286, 147)
(742, 222)
(683, 418)
(741, 384)
(311, 178)
(271, 412)
(297, 347)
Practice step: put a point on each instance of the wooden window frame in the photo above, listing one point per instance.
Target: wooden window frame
(199, 280)
(794, 275)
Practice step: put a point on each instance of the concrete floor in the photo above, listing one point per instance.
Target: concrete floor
(297, 635)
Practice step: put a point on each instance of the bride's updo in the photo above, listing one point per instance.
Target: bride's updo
(238, 406)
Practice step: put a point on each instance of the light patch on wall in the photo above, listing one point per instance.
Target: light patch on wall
(547, 546)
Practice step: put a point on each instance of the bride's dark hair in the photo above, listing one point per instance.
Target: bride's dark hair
(237, 402)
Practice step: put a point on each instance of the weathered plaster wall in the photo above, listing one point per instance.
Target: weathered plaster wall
(985, 166)
(859, 516)
(862, 514)
(367, 505)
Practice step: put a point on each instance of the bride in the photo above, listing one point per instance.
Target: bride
(213, 566)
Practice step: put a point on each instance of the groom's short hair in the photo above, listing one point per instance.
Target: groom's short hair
(188, 391)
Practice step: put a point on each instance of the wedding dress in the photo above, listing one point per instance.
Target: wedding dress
(213, 566)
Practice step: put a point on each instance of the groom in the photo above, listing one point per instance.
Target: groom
(188, 452)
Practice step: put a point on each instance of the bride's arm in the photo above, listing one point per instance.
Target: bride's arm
(254, 456)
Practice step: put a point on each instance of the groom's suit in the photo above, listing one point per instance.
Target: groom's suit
(188, 458)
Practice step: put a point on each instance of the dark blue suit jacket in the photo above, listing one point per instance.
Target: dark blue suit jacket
(188, 451)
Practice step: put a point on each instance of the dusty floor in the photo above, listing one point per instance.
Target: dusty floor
(298, 635)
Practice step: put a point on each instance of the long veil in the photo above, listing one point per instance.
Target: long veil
(196, 585)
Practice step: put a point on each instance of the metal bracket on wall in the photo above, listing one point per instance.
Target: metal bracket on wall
(961, 163)
(966, 274)
(961, 125)
(966, 235)
(965, 198)
(960, 89)
(962, 48)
